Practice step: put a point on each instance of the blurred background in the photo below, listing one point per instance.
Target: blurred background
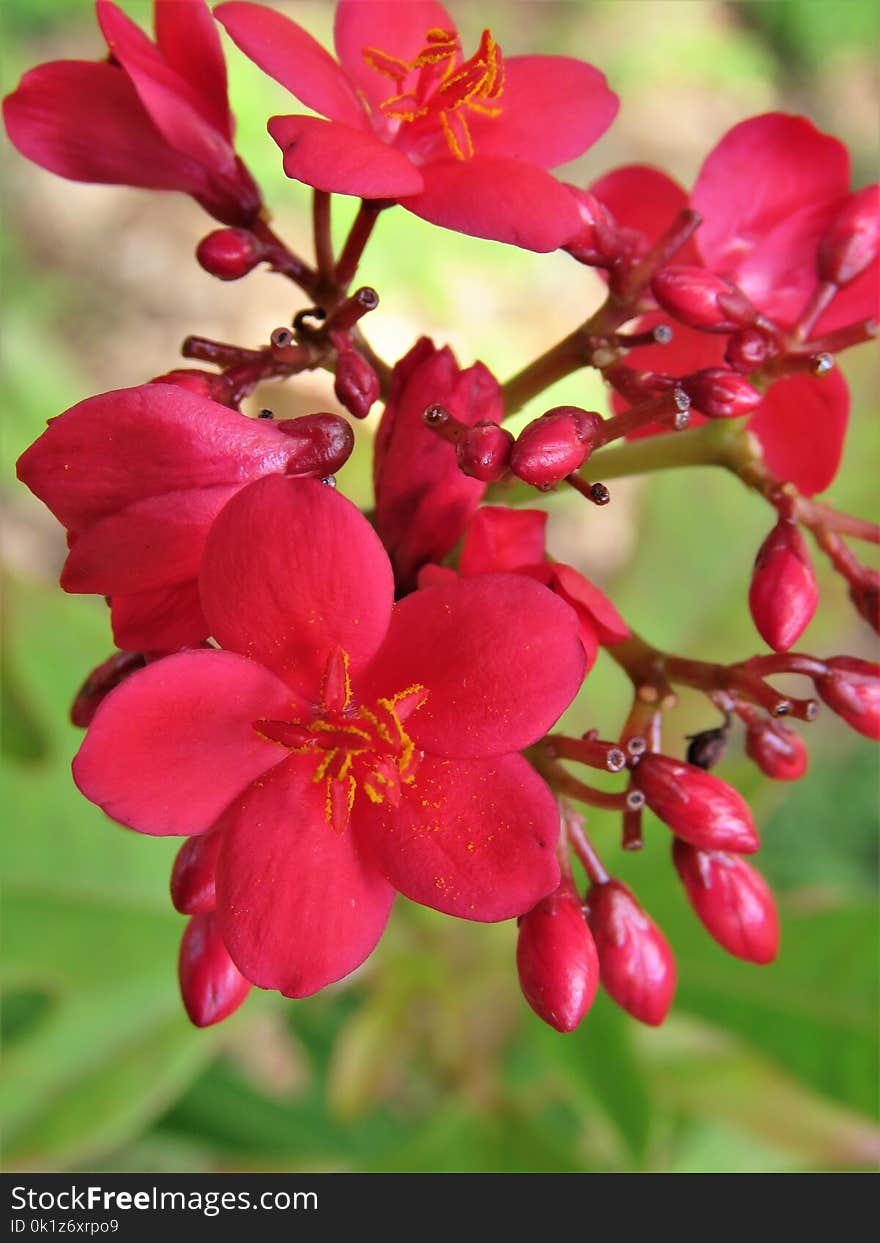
(428, 1058)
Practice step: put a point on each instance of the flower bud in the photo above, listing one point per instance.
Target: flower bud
(702, 299)
(211, 985)
(778, 751)
(203, 383)
(324, 443)
(852, 240)
(595, 240)
(553, 446)
(696, 805)
(747, 349)
(783, 594)
(483, 451)
(732, 901)
(851, 688)
(192, 877)
(865, 595)
(100, 682)
(556, 960)
(356, 384)
(721, 394)
(229, 254)
(636, 964)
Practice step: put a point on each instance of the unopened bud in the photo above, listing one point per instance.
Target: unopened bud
(778, 751)
(732, 901)
(323, 444)
(852, 240)
(556, 960)
(851, 688)
(696, 805)
(721, 394)
(783, 594)
(555, 445)
(865, 595)
(594, 243)
(192, 877)
(483, 451)
(211, 985)
(229, 254)
(100, 682)
(748, 349)
(702, 299)
(356, 384)
(636, 965)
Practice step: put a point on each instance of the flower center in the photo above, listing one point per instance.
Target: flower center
(355, 746)
(435, 87)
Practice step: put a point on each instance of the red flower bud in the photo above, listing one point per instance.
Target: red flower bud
(100, 682)
(696, 805)
(851, 688)
(777, 750)
(356, 385)
(483, 451)
(783, 594)
(595, 240)
(701, 299)
(747, 349)
(636, 964)
(192, 877)
(229, 254)
(324, 443)
(721, 394)
(852, 240)
(732, 901)
(554, 445)
(556, 960)
(865, 595)
(203, 383)
(211, 985)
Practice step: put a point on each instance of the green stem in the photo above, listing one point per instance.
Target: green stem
(714, 444)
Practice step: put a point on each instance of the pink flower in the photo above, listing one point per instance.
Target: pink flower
(769, 193)
(153, 114)
(464, 143)
(423, 500)
(344, 747)
(138, 476)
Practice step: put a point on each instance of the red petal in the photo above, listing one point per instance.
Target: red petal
(174, 744)
(779, 273)
(340, 159)
(801, 425)
(152, 544)
(472, 838)
(292, 57)
(297, 905)
(211, 985)
(760, 174)
(504, 200)
(588, 601)
(498, 654)
(857, 301)
(192, 877)
(397, 29)
(499, 538)
(85, 122)
(189, 42)
(292, 571)
(644, 198)
(155, 621)
(552, 109)
(117, 448)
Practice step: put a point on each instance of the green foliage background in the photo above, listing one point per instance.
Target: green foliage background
(428, 1059)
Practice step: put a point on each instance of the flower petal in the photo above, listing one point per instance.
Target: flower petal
(504, 200)
(473, 838)
(644, 198)
(396, 29)
(498, 654)
(552, 109)
(292, 571)
(292, 57)
(174, 744)
(187, 38)
(162, 620)
(296, 904)
(499, 538)
(342, 160)
(779, 273)
(586, 598)
(801, 425)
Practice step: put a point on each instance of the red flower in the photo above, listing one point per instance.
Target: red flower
(153, 114)
(423, 501)
(464, 143)
(637, 965)
(768, 242)
(138, 476)
(556, 959)
(731, 900)
(345, 747)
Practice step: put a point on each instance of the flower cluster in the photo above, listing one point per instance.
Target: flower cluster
(332, 710)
